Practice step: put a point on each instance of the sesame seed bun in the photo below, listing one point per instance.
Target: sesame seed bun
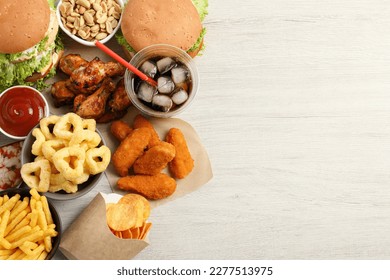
(174, 22)
(23, 24)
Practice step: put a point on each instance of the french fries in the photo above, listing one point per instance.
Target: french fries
(26, 227)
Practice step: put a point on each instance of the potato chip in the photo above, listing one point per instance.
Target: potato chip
(135, 232)
(137, 199)
(145, 231)
(127, 234)
(121, 217)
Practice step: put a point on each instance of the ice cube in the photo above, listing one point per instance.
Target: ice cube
(162, 103)
(149, 68)
(165, 64)
(146, 91)
(180, 97)
(165, 85)
(180, 74)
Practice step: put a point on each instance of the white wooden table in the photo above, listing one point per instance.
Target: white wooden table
(294, 112)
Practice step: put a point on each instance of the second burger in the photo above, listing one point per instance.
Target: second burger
(173, 22)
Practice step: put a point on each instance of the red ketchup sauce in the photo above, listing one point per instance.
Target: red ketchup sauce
(21, 109)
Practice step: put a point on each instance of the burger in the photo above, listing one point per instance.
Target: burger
(29, 45)
(174, 22)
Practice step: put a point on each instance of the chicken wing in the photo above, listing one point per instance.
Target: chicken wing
(61, 94)
(120, 101)
(72, 62)
(93, 106)
(110, 116)
(86, 79)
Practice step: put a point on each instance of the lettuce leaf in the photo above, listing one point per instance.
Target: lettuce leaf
(201, 6)
(16, 73)
(122, 41)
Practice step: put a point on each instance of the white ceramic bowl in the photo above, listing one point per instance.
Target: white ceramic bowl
(79, 39)
(46, 112)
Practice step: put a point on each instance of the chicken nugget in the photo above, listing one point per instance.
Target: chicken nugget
(154, 160)
(139, 122)
(120, 130)
(130, 149)
(183, 163)
(152, 187)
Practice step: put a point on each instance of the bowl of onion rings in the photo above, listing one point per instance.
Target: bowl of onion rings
(64, 157)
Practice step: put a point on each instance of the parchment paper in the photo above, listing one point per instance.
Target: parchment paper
(199, 176)
(89, 238)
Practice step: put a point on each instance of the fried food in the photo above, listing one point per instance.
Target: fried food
(71, 62)
(87, 79)
(110, 116)
(152, 187)
(183, 163)
(120, 130)
(37, 174)
(155, 159)
(26, 228)
(130, 149)
(141, 121)
(67, 157)
(132, 198)
(61, 94)
(120, 101)
(94, 106)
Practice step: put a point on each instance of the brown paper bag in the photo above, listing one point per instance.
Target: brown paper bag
(89, 237)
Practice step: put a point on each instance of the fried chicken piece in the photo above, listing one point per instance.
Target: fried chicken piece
(109, 116)
(183, 163)
(141, 121)
(71, 62)
(87, 79)
(93, 106)
(120, 130)
(152, 187)
(130, 149)
(120, 101)
(154, 160)
(61, 94)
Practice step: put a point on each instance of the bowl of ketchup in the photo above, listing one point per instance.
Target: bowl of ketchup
(21, 107)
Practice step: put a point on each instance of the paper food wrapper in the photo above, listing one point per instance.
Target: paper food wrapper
(201, 173)
(89, 237)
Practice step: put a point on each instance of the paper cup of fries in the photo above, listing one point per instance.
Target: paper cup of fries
(112, 227)
(30, 228)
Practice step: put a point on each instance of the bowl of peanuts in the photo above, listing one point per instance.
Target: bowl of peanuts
(86, 21)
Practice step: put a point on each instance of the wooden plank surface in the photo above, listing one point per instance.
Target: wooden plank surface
(294, 112)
